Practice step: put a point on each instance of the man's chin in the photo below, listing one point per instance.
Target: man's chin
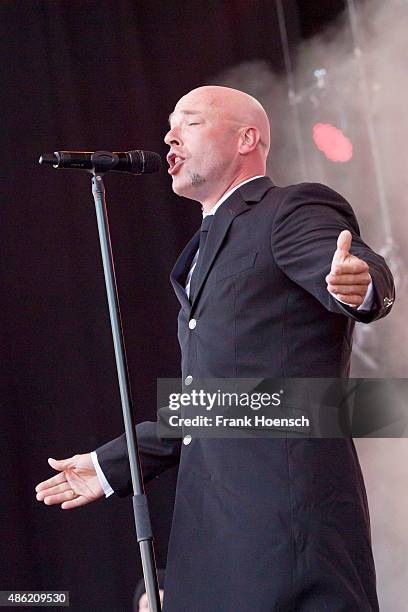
(182, 188)
(188, 187)
(178, 187)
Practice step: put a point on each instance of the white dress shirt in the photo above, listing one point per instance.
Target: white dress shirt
(366, 305)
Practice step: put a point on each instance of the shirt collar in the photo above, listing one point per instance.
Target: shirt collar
(227, 195)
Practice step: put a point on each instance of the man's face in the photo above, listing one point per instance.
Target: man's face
(203, 147)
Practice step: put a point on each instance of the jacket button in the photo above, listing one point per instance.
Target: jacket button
(192, 323)
(188, 380)
(187, 439)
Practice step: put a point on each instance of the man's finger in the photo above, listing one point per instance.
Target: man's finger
(75, 503)
(348, 289)
(353, 266)
(343, 247)
(60, 488)
(61, 464)
(59, 498)
(348, 279)
(344, 241)
(51, 482)
(351, 300)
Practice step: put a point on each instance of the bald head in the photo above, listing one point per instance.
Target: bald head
(232, 105)
(218, 138)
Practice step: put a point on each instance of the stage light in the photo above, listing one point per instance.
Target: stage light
(332, 142)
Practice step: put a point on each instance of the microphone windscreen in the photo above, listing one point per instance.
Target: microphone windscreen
(145, 162)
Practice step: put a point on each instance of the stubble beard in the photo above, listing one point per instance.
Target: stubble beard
(197, 180)
(191, 189)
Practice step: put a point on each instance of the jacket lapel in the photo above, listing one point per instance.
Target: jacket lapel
(239, 202)
(178, 275)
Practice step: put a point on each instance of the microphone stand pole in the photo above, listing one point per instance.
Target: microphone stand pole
(140, 505)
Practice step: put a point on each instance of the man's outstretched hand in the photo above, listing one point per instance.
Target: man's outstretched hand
(75, 485)
(349, 276)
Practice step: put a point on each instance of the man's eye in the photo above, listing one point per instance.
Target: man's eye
(195, 123)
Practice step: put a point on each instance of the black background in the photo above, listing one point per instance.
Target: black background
(97, 75)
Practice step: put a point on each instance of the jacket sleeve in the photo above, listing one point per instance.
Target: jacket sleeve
(304, 236)
(156, 455)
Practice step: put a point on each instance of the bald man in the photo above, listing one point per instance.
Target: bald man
(274, 291)
(226, 142)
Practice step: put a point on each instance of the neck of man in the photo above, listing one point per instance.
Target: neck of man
(211, 200)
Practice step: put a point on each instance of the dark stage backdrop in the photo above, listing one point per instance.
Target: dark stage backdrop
(100, 74)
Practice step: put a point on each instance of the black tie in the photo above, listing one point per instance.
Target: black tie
(205, 226)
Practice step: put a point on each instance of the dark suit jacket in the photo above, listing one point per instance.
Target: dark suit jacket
(266, 524)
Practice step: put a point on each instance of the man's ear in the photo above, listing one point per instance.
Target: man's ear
(248, 140)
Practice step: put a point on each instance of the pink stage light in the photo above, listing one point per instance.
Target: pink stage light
(332, 142)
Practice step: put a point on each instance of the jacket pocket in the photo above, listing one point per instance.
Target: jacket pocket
(235, 266)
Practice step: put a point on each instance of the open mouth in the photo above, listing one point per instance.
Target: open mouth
(175, 163)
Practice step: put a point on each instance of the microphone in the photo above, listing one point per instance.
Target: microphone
(135, 162)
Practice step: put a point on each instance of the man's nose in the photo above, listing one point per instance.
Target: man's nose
(171, 138)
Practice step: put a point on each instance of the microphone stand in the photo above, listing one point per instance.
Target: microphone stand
(140, 505)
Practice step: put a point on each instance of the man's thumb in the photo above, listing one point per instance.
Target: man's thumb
(344, 241)
(59, 464)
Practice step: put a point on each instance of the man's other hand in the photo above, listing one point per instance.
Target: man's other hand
(75, 485)
(349, 277)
